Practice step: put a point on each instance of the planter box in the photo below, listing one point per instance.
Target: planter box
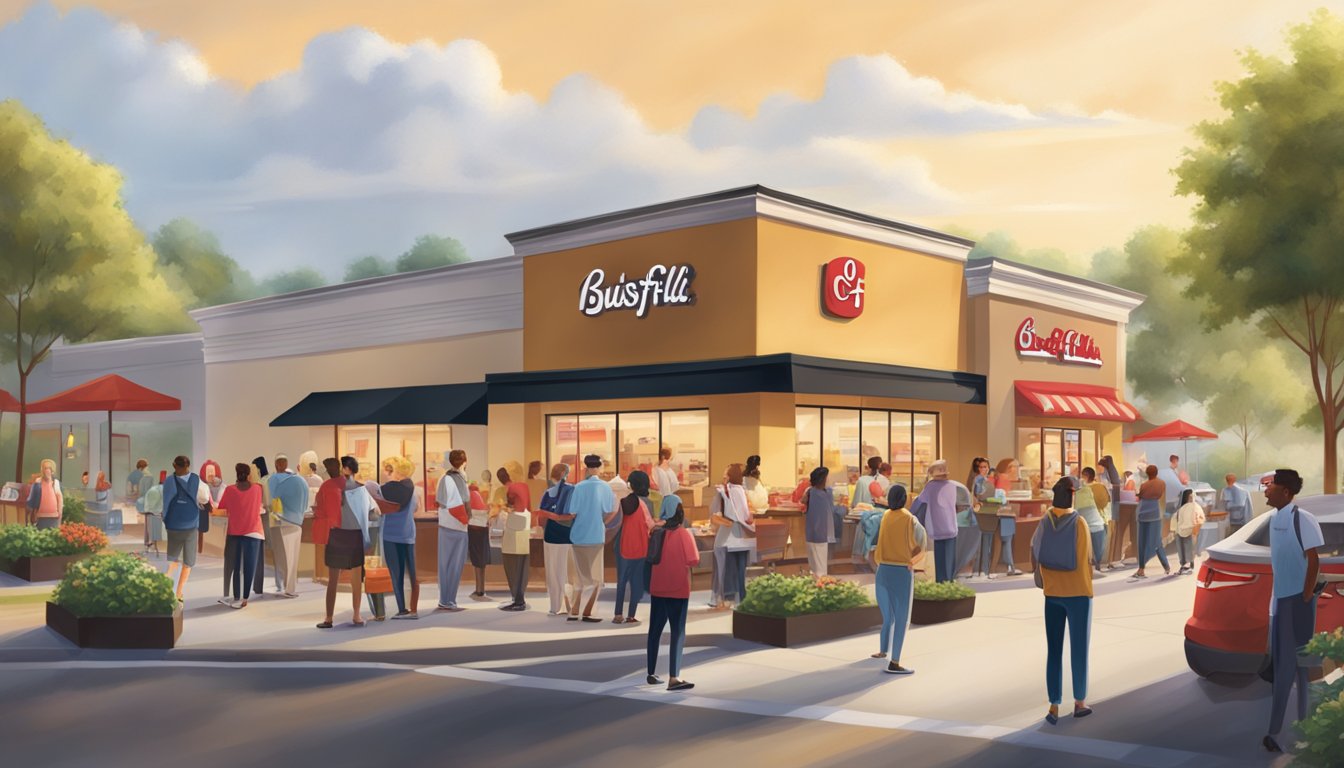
(116, 631)
(791, 631)
(40, 568)
(939, 611)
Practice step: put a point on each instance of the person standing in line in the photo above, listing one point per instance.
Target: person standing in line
(1061, 551)
(289, 501)
(1109, 476)
(1101, 497)
(1294, 538)
(718, 519)
(270, 523)
(242, 503)
(1005, 475)
(453, 519)
(862, 487)
(1085, 504)
(557, 550)
(346, 505)
(758, 496)
(940, 496)
(1171, 476)
(1149, 516)
(45, 497)
(536, 486)
(516, 545)
(593, 505)
(1237, 502)
(664, 476)
(899, 540)
(399, 534)
(632, 546)
(817, 506)
(478, 520)
(1189, 517)
(741, 537)
(670, 597)
(183, 496)
(312, 475)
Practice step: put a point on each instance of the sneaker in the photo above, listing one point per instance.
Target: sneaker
(450, 608)
(896, 669)
(409, 615)
(226, 601)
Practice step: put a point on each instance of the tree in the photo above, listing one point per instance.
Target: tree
(1248, 402)
(194, 259)
(72, 263)
(295, 280)
(1001, 245)
(1269, 217)
(432, 251)
(366, 267)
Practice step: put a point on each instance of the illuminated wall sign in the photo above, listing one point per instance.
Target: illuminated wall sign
(842, 287)
(663, 286)
(1066, 346)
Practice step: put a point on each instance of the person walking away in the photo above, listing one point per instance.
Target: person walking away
(593, 505)
(899, 540)
(183, 496)
(1085, 504)
(670, 597)
(45, 498)
(741, 537)
(940, 497)
(1294, 538)
(453, 519)
(346, 505)
(1189, 517)
(1061, 552)
(241, 502)
(399, 535)
(1149, 515)
(516, 545)
(289, 502)
(557, 550)
(817, 507)
(632, 546)
(1237, 502)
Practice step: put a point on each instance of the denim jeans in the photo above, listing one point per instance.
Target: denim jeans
(895, 590)
(629, 573)
(400, 562)
(1077, 613)
(245, 550)
(1099, 547)
(945, 559)
(662, 611)
(1150, 540)
(735, 575)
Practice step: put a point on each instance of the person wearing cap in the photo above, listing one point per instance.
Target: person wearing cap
(593, 505)
(289, 494)
(1294, 537)
(940, 497)
(1068, 599)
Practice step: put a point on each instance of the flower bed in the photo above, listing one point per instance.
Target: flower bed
(43, 555)
(785, 611)
(115, 601)
(936, 603)
(1323, 743)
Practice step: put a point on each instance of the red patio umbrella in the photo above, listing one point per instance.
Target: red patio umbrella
(1175, 430)
(9, 403)
(106, 393)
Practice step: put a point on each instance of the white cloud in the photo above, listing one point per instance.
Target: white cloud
(369, 143)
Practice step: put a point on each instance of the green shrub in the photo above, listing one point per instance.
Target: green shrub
(947, 590)
(72, 510)
(115, 584)
(777, 595)
(1323, 730)
(18, 541)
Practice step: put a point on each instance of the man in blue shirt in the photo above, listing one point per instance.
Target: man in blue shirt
(593, 505)
(292, 493)
(1294, 537)
(1237, 502)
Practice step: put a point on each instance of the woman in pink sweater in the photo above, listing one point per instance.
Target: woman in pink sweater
(669, 597)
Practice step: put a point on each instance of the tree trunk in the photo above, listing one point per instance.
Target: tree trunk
(23, 425)
(1331, 478)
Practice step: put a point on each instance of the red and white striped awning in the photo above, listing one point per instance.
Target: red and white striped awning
(1073, 401)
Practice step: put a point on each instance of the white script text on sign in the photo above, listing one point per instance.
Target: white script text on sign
(1066, 346)
(662, 287)
(843, 287)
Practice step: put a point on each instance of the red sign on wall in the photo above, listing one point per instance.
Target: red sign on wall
(1066, 346)
(843, 287)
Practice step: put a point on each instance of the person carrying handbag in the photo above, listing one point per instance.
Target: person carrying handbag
(671, 555)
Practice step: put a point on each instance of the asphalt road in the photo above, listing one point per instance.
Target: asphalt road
(56, 715)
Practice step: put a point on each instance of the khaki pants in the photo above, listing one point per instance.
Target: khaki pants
(818, 558)
(290, 537)
(562, 576)
(588, 567)
(277, 547)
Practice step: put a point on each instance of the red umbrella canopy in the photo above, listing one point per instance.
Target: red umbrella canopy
(1176, 430)
(8, 403)
(106, 393)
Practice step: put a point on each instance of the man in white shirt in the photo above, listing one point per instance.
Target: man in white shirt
(1171, 475)
(1294, 537)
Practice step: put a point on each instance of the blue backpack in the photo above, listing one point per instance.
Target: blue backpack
(1055, 545)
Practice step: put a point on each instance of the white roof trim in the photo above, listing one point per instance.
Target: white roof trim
(1052, 289)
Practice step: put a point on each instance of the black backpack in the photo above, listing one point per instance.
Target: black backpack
(655, 554)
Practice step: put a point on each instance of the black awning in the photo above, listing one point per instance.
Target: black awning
(434, 404)
(768, 373)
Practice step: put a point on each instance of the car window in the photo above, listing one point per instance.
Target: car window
(1333, 533)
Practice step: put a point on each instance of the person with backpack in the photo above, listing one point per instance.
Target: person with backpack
(891, 549)
(183, 497)
(632, 546)
(561, 580)
(1294, 537)
(1061, 555)
(671, 555)
(1189, 517)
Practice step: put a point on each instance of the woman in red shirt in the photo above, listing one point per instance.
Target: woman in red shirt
(242, 502)
(669, 596)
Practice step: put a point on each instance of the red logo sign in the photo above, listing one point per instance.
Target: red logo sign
(1066, 346)
(842, 287)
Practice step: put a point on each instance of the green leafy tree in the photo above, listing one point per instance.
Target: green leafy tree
(72, 263)
(1249, 403)
(294, 280)
(432, 251)
(193, 257)
(366, 267)
(1270, 209)
(1001, 245)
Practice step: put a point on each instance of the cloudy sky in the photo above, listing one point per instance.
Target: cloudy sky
(311, 132)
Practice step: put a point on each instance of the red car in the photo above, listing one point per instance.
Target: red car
(1228, 632)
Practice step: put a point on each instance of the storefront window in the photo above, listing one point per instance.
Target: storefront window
(407, 441)
(902, 455)
(1089, 449)
(926, 448)
(597, 434)
(1049, 453)
(562, 443)
(876, 438)
(807, 423)
(840, 444)
(628, 441)
(1029, 456)
(638, 441)
(438, 444)
(361, 443)
(687, 434)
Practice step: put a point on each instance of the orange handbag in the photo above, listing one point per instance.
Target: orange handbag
(377, 578)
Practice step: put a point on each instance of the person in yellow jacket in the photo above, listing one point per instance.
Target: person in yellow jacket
(1061, 554)
(899, 539)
